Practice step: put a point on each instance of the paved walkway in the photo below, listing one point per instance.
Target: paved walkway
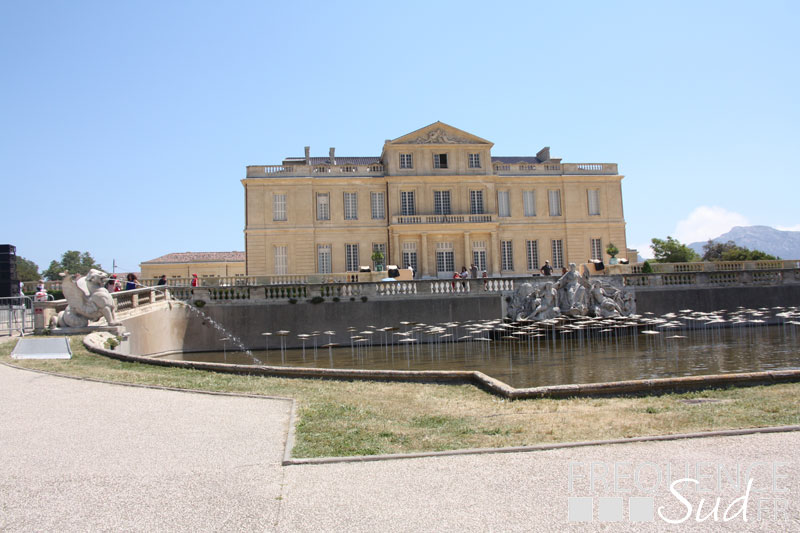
(78, 456)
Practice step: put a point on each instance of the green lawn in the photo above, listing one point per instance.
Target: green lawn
(343, 418)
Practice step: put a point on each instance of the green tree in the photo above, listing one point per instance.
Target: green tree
(72, 261)
(713, 251)
(27, 270)
(729, 251)
(740, 253)
(672, 251)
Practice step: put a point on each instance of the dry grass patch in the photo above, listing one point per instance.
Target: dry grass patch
(338, 418)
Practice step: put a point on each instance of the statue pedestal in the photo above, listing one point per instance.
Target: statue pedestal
(114, 330)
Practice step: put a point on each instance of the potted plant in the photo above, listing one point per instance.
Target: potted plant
(377, 258)
(612, 250)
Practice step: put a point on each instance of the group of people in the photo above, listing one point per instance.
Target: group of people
(114, 284)
(466, 274)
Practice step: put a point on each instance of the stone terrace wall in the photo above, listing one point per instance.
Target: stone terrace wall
(665, 300)
(177, 328)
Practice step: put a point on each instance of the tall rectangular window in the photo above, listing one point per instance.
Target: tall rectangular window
(324, 258)
(503, 205)
(532, 253)
(479, 254)
(529, 203)
(406, 161)
(476, 202)
(558, 253)
(441, 202)
(474, 160)
(597, 249)
(407, 205)
(445, 260)
(439, 160)
(410, 255)
(323, 206)
(506, 255)
(278, 207)
(593, 197)
(479, 258)
(379, 247)
(281, 260)
(378, 205)
(351, 257)
(554, 199)
(350, 206)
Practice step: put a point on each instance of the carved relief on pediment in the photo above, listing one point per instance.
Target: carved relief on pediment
(440, 136)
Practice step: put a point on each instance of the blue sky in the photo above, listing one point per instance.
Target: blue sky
(125, 128)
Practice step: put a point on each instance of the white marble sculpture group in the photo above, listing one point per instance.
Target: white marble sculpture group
(572, 295)
(87, 300)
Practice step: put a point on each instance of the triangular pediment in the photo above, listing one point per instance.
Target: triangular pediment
(439, 133)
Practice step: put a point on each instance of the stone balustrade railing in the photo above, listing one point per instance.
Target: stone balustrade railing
(380, 290)
(714, 266)
(354, 291)
(450, 287)
(443, 219)
(288, 171)
(527, 169)
(123, 300)
(730, 278)
(140, 297)
(377, 169)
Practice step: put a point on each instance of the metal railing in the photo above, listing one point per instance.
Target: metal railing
(16, 315)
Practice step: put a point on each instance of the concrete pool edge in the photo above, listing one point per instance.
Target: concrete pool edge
(95, 343)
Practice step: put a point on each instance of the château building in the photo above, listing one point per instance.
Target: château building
(435, 199)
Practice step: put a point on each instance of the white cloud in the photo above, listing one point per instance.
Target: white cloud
(789, 228)
(707, 222)
(644, 250)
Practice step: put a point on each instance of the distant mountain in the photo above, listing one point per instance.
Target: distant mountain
(783, 244)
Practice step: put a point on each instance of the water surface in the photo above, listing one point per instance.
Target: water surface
(556, 358)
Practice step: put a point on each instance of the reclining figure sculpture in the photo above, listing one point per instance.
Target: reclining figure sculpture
(87, 300)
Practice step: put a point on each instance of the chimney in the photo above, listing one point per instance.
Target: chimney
(308, 155)
(332, 155)
(544, 154)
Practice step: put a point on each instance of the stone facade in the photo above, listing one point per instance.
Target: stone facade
(435, 198)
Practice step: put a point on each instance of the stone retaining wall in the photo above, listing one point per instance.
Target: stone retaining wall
(172, 327)
(670, 300)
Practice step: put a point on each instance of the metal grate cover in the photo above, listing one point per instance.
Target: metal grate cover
(55, 348)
